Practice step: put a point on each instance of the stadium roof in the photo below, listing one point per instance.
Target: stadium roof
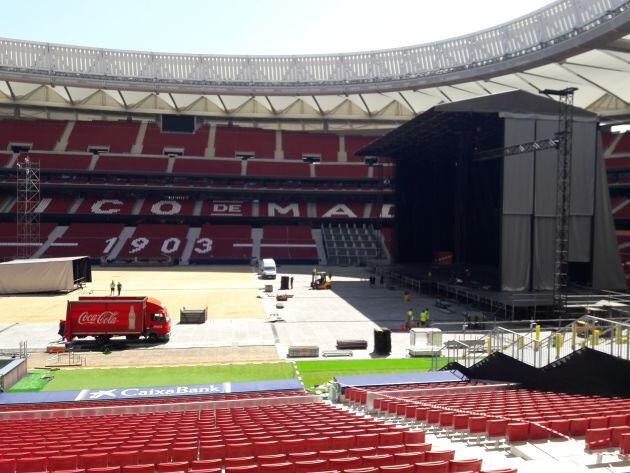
(579, 43)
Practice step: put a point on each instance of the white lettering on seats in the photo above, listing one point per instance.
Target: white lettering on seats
(138, 244)
(227, 208)
(387, 211)
(166, 207)
(293, 209)
(110, 244)
(103, 206)
(104, 318)
(206, 246)
(170, 245)
(340, 210)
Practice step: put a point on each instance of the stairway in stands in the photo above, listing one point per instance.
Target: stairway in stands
(351, 244)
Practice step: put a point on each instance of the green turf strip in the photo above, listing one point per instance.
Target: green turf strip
(31, 382)
(320, 371)
(166, 375)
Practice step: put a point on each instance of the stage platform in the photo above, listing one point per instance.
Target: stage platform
(393, 379)
(478, 291)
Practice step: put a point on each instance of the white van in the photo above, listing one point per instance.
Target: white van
(267, 268)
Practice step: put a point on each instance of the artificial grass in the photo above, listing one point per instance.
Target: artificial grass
(166, 375)
(31, 382)
(320, 371)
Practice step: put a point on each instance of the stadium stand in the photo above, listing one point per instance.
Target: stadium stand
(514, 414)
(304, 437)
(288, 243)
(86, 239)
(115, 136)
(296, 144)
(165, 207)
(223, 243)
(5, 158)
(62, 161)
(216, 167)
(277, 169)
(39, 134)
(352, 171)
(232, 140)
(8, 237)
(107, 162)
(151, 241)
(192, 144)
(354, 143)
(106, 205)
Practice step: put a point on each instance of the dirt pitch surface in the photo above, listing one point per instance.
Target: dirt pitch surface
(229, 292)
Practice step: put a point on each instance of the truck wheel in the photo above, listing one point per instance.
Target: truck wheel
(103, 338)
(153, 338)
(132, 337)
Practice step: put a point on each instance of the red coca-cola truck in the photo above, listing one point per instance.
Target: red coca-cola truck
(107, 317)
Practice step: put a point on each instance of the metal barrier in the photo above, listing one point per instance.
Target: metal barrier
(403, 394)
(156, 408)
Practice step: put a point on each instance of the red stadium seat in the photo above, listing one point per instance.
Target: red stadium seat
(432, 467)
(93, 460)
(104, 469)
(32, 464)
(123, 458)
(63, 462)
(309, 466)
(285, 467)
(439, 455)
(138, 468)
(154, 457)
(172, 467)
(465, 465)
(397, 469)
(184, 454)
(517, 431)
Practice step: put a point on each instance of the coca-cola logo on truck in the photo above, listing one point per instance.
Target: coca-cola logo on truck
(104, 318)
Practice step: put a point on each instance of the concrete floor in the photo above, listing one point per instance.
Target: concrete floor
(350, 310)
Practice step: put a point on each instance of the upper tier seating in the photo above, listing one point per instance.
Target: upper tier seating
(354, 143)
(42, 134)
(282, 209)
(223, 242)
(623, 145)
(352, 171)
(150, 241)
(232, 140)
(193, 144)
(226, 208)
(130, 163)
(70, 161)
(295, 144)
(347, 210)
(218, 167)
(118, 136)
(86, 239)
(277, 169)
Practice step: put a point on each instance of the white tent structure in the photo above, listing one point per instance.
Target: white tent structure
(43, 275)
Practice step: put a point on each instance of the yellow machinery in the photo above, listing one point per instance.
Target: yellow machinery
(322, 281)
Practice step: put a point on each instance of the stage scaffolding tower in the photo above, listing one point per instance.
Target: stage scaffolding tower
(563, 196)
(28, 199)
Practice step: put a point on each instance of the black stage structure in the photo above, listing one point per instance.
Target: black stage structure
(496, 214)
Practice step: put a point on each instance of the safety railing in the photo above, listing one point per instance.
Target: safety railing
(155, 408)
(605, 335)
(548, 27)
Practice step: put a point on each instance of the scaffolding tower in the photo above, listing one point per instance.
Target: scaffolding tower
(563, 196)
(28, 199)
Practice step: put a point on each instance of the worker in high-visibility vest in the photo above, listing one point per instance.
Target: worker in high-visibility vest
(423, 317)
(427, 317)
(409, 318)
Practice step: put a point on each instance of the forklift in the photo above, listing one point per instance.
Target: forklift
(322, 281)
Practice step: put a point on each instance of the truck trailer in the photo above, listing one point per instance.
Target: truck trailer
(107, 317)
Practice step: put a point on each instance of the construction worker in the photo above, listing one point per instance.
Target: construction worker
(119, 287)
(423, 317)
(409, 318)
(314, 273)
(112, 288)
(406, 296)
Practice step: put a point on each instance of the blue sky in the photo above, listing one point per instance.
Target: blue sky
(253, 27)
